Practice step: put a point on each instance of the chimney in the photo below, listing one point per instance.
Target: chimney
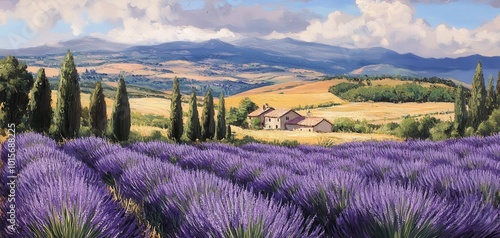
(264, 107)
(308, 113)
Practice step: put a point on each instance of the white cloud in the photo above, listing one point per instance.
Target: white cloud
(392, 24)
(141, 32)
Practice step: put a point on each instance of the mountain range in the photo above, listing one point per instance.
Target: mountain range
(290, 53)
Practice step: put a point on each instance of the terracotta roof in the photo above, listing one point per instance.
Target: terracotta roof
(307, 121)
(278, 112)
(260, 111)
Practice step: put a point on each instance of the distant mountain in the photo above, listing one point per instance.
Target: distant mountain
(82, 45)
(287, 53)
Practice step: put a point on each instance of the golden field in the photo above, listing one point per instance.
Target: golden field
(381, 112)
(305, 137)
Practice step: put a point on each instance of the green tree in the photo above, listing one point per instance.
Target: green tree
(15, 85)
(460, 122)
(207, 117)
(68, 108)
(477, 105)
(39, 107)
(425, 126)
(85, 117)
(497, 93)
(98, 116)
(175, 128)
(220, 131)
(408, 129)
(238, 116)
(228, 133)
(490, 96)
(193, 129)
(441, 131)
(120, 118)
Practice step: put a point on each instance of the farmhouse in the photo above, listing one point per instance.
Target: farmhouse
(259, 114)
(288, 119)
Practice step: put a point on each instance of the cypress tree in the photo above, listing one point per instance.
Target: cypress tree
(228, 132)
(477, 105)
(490, 97)
(39, 107)
(120, 118)
(193, 129)
(497, 93)
(15, 86)
(98, 117)
(220, 131)
(460, 122)
(207, 117)
(68, 108)
(175, 129)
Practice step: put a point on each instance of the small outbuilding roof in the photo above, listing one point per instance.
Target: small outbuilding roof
(307, 121)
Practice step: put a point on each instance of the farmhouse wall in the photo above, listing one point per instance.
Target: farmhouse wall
(279, 123)
(323, 126)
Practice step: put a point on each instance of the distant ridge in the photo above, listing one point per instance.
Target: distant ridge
(287, 52)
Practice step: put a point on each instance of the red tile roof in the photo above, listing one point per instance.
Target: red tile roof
(278, 112)
(307, 121)
(260, 111)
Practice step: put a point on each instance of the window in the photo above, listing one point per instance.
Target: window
(276, 126)
(310, 129)
(269, 119)
(287, 118)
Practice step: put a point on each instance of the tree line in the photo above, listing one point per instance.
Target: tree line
(408, 92)
(27, 102)
(479, 115)
(477, 112)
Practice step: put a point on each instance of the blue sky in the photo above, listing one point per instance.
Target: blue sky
(425, 27)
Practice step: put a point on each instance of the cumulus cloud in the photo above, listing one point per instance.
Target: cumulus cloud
(217, 18)
(392, 24)
(139, 32)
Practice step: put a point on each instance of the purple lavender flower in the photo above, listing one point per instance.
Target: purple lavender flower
(140, 180)
(238, 213)
(165, 151)
(90, 149)
(385, 210)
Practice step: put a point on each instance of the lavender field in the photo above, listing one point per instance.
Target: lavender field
(92, 188)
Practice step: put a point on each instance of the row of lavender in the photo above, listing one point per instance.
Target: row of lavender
(181, 203)
(417, 188)
(58, 196)
(360, 189)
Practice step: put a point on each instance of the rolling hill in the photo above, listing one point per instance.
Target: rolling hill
(272, 56)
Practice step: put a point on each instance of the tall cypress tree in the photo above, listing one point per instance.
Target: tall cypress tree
(193, 129)
(120, 118)
(68, 108)
(490, 96)
(477, 105)
(98, 117)
(39, 108)
(497, 93)
(15, 86)
(207, 117)
(228, 132)
(460, 122)
(220, 131)
(176, 128)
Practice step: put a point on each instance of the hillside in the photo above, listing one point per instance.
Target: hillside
(245, 59)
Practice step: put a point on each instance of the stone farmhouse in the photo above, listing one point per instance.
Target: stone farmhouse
(288, 119)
